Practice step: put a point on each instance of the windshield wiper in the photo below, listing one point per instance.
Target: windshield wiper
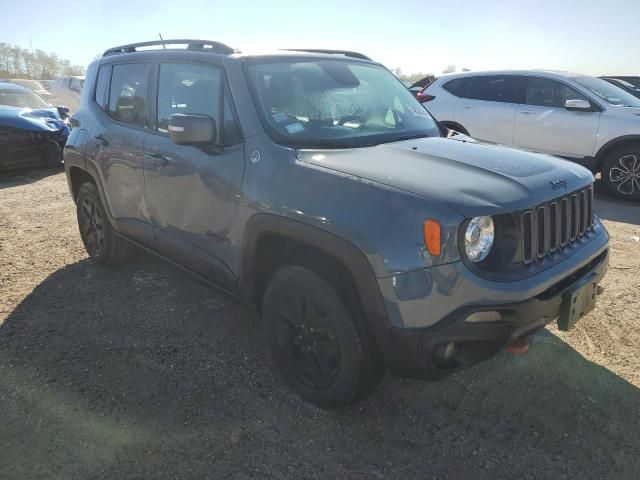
(406, 137)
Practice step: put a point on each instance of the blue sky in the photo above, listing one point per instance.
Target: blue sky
(589, 36)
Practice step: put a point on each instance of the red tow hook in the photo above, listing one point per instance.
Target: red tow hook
(519, 347)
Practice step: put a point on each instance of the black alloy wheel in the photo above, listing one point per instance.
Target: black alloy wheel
(92, 226)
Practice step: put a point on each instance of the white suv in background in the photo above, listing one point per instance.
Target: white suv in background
(581, 118)
(67, 90)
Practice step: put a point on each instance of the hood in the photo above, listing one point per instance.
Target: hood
(42, 119)
(473, 178)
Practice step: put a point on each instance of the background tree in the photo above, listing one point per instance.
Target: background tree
(17, 62)
(413, 77)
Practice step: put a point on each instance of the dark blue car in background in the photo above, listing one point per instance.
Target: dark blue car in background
(32, 131)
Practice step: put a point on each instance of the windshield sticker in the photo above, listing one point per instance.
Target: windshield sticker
(417, 111)
(295, 128)
(280, 116)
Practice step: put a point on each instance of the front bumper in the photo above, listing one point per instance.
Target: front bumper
(21, 148)
(417, 352)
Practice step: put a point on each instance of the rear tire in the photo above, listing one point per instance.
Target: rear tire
(100, 241)
(314, 341)
(621, 173)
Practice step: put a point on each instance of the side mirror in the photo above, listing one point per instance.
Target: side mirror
(63, 111)
(577, 105)
(187, 129)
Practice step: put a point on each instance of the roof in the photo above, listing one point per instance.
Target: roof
(548, 73)
(208, 47)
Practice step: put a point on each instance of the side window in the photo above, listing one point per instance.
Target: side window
(495, 88)
(128, 92)
(196, 89)
(544, 92)
(102, 86)
(459, 86)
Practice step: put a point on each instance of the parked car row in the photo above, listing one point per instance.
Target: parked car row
(35, 86)
(64, 90)
(624, 85)
(584, 119)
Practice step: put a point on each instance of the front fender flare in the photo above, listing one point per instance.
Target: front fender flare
(350, 256)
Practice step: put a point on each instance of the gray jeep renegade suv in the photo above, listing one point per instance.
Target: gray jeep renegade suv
(312, 185)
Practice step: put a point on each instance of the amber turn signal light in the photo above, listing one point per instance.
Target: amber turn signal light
(432, 237)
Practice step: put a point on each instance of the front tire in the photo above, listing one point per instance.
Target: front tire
(100, 242)
(315, 343)
(621, 173)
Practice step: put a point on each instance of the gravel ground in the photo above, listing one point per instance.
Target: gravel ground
(143, 372)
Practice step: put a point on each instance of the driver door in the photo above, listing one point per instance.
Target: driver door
(192, 191)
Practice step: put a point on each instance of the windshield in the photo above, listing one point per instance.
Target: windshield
(608, 92)
(335, 104)
(22, 99)
(32, 84)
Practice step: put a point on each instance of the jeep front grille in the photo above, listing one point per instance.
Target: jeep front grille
(556, 225)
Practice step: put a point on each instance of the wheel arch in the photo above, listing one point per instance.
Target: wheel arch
(455, 126)
(271, 241)
(77, 177)
(611, 146)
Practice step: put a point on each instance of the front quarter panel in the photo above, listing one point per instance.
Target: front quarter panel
(616, 123)
(385, 223)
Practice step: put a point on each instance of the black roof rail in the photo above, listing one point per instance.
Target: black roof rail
(346, 53)
(198, 45)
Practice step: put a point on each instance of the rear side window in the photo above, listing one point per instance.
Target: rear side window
(102, 86)
(496, 88)
(544, 92)
(128, 93)
(459, 87)
(196, 89)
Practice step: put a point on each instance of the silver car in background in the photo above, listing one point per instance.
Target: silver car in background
(578, 117)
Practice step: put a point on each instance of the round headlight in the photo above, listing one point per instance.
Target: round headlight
(478, 239)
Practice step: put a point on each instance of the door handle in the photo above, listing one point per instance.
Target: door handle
(101, 140)
(527, 113)
(468, 107)
(160, 159)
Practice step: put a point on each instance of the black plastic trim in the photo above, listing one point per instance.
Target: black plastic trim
(346, 53)
(414, 349)
(351, 257)
(198, 45)
(608, 147)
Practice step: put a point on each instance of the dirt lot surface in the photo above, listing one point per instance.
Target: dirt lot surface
(143, 372)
